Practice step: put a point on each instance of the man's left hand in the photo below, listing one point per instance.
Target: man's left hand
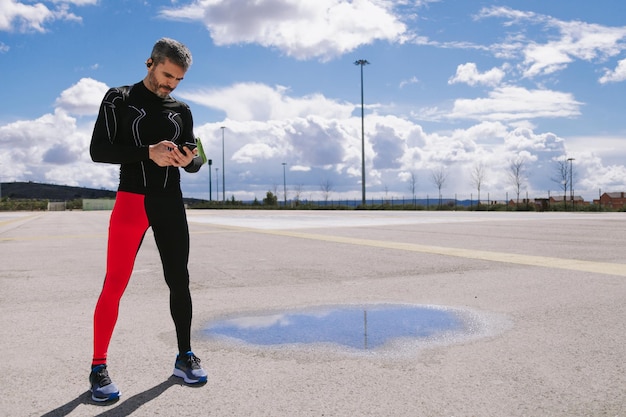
(183, 159)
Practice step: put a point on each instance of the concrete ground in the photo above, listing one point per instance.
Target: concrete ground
(550, 287)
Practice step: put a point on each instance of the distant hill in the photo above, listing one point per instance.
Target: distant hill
(32, 190)
(37, 191)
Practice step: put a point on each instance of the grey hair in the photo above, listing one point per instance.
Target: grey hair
(166, 48)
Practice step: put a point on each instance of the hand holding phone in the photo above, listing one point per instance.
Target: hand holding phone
(189, 145)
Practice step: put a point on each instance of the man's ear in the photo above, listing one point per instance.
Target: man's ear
(149, 62)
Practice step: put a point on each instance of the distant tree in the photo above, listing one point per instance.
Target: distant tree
(270, 199)
(517, 169)
(477, 177)
(326, 187)
(412, 185)
(297, 191)
(562, 176)
(439, 177)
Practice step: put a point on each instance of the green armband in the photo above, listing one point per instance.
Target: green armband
(201, 151)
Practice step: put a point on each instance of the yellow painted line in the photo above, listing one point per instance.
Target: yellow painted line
(51, 237)
(100, 235)
(95, 235)
(18, 219)
(518, 259)
(529, 260)
(221, 231)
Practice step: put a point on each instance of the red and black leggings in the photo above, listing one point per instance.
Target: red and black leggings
(132, 215)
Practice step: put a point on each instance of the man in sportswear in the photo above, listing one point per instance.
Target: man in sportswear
(140, 127)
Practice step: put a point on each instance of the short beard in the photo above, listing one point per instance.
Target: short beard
(154, 86)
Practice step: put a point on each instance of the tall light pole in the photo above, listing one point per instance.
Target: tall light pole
(223, 168)
(285, 183)
(571, 185)
(210, 161)
(217, 184)
(362, 62)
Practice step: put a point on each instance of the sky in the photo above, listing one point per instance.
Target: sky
(462, 90)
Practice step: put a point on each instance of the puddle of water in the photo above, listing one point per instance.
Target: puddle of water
(363, 328)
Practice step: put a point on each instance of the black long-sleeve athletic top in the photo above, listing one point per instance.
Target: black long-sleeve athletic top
(131, 118)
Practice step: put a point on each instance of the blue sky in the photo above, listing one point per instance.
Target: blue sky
(453, 86)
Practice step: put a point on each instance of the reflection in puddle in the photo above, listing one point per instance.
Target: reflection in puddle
(358, 327)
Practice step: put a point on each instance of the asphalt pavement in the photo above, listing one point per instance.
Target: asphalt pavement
(548, 291)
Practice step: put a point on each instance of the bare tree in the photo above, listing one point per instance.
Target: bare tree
(297, 191)
(477, 177)
(439, 177)
(517, 170)
(562, 176)
(412, 185)
(327, 187)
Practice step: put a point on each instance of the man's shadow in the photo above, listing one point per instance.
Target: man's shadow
(127, 406)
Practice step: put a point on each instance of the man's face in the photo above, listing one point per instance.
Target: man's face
(163, 78)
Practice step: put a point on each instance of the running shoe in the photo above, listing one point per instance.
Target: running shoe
(188, 367)
(102, 388)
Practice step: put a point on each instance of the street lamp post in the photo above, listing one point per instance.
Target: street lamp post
(217, 184)
(362, 62)
(285, 183)
(210, 162)
(571, 185)
(223, 169)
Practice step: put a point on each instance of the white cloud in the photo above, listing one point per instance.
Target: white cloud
(616, 75)
(77, 2)
(425, 3)
(252, 152)
(545, 59)
(83, 98)
(523, 139)
(566, 41)
(468, 74)
(255, 101)
(22, 17)
(387, 149)
(610, 149)
(55, 147)
(313, 29)
(514, 16)
(577, 40)
(412, 80)
(606, 178)
(511, 103)
(49, 147)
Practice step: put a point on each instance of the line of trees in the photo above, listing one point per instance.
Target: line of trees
(517, 170)
(516, 174)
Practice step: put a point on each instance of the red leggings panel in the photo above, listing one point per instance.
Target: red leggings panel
(127, 228)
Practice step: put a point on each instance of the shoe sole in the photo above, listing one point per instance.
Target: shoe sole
(111, 397)
(183, 375)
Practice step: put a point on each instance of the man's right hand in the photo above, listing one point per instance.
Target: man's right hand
(161, 153)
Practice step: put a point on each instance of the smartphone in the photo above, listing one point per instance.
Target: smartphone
(191, 146)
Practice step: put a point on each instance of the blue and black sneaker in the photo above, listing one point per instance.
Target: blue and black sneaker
(102, 388)
(188, 367)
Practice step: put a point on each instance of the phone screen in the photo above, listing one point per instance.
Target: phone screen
(189, 145)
